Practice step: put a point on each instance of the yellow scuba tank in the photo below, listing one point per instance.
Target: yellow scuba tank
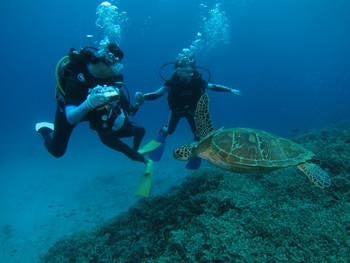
(59, 91)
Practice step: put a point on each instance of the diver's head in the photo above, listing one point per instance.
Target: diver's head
(111, 55)
(185, 58)
(185, 72)
(185, 65)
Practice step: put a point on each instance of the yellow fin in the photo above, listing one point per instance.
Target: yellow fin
(149, 147)
(145, 184)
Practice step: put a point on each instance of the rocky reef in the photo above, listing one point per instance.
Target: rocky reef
(218, 216)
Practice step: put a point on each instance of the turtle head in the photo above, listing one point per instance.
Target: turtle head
(184, 152)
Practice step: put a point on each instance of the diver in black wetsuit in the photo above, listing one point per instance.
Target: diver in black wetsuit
(90, 90)
(184, 89)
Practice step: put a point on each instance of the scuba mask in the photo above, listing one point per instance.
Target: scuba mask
(110, 58)
(185, 73)
(113, 62)
(112, 55)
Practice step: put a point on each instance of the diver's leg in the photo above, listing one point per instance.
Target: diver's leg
(195, 163)
(112, 141)
(190, 119)
(57, 143)
(138, 133)
(173, 121)
(129, 130)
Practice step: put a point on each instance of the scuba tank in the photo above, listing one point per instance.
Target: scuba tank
(59, 91)
(61, 65)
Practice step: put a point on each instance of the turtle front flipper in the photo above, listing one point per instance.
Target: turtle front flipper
(204, 124)
(315, 173)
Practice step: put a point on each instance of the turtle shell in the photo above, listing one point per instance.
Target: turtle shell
(248, 150)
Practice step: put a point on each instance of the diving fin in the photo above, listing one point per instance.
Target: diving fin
(44, 125)
(145, 184)
(156, 155)
(149, 147)
(194, 164)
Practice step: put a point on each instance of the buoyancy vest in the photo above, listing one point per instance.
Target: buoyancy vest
(183, 96)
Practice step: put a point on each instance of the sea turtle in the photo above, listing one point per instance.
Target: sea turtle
(244, 150)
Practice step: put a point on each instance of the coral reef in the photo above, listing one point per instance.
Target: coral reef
(217, 216)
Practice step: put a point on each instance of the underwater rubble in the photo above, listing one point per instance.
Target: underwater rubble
(218, 216)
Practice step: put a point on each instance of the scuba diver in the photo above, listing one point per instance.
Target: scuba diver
(89, 88)
(184, 88)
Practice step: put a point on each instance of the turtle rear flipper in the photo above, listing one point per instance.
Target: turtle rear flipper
(315, 174)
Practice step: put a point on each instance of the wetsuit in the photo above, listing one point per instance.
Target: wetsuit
(182, 100)
(77, 81)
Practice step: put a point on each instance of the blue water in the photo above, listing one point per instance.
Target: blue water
(290, 59)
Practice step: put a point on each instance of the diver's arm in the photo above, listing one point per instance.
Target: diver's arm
(75, 114)
(216, 87)
(126, 106)
(140, 97)
(157, 94)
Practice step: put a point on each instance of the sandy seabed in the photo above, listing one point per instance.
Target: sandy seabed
(43, 199)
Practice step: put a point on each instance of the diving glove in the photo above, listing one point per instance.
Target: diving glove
(95, 98)
(140, 98)
(236, 92)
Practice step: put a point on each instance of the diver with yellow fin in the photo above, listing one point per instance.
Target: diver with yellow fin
(89, 88)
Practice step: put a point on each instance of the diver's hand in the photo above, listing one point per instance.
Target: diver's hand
(235, 91)
(140, 98)
(95, 98)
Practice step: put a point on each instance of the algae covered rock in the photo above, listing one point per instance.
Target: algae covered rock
(218, 216)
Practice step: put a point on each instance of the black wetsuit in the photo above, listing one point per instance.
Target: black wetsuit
(182, 100)
(77, 80)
